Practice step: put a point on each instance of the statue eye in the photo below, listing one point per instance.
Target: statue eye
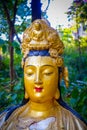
(47, 73)
(29, 73)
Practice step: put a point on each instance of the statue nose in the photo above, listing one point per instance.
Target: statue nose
(38, 79)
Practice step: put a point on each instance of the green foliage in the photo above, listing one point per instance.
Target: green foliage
(76, 97)
(78, 11)
(8, 97)
(76, 62)
(76, 94)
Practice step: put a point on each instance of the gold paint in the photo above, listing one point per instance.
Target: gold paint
(26, 95)
(41, 110)
(66, 77)
(40, 36)
(41, 72)
(65, 120)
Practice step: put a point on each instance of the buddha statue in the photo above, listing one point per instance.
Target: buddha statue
(43, 70)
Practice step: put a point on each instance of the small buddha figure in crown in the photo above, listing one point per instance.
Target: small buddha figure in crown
(43, 70)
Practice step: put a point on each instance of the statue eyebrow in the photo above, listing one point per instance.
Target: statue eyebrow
(29, 65)
(48, 65)
(52, 66)
(41, 66)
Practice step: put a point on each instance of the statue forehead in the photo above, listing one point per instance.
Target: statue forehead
(40, 61)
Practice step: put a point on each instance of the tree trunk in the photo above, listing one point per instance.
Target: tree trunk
(11, 23)
(11, 49)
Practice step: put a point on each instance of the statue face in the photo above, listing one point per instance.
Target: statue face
(41, 78)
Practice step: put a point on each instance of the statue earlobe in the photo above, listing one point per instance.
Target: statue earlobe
(57, 94)
(26, 95)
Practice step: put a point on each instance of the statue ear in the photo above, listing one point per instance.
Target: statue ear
(26, 95)
(57, 94)
(66, 77)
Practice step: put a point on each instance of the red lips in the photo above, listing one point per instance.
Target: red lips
(38, 89)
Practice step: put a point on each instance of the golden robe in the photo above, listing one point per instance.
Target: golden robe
(60, 119)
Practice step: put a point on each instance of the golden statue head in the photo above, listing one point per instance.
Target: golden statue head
(42, 49)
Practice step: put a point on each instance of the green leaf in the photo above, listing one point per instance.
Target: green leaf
(17, 50)
(18, 86)
(73, 101)
(1, 94)
(15, 44)
(4, 48)
(14, 96)
(75, 93)
(2, 42)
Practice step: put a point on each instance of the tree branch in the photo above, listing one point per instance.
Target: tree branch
(6, 12)
(15, 10)
(19, 40)
(47, 6)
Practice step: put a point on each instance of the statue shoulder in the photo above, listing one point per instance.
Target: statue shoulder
(5, 115)
(2, 118)
(72, 120)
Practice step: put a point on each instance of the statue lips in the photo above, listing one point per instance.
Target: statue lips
(38, 88)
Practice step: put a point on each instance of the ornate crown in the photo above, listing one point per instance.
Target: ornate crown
(40, 36)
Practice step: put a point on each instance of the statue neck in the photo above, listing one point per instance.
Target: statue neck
(45, 106)
(41, 109)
